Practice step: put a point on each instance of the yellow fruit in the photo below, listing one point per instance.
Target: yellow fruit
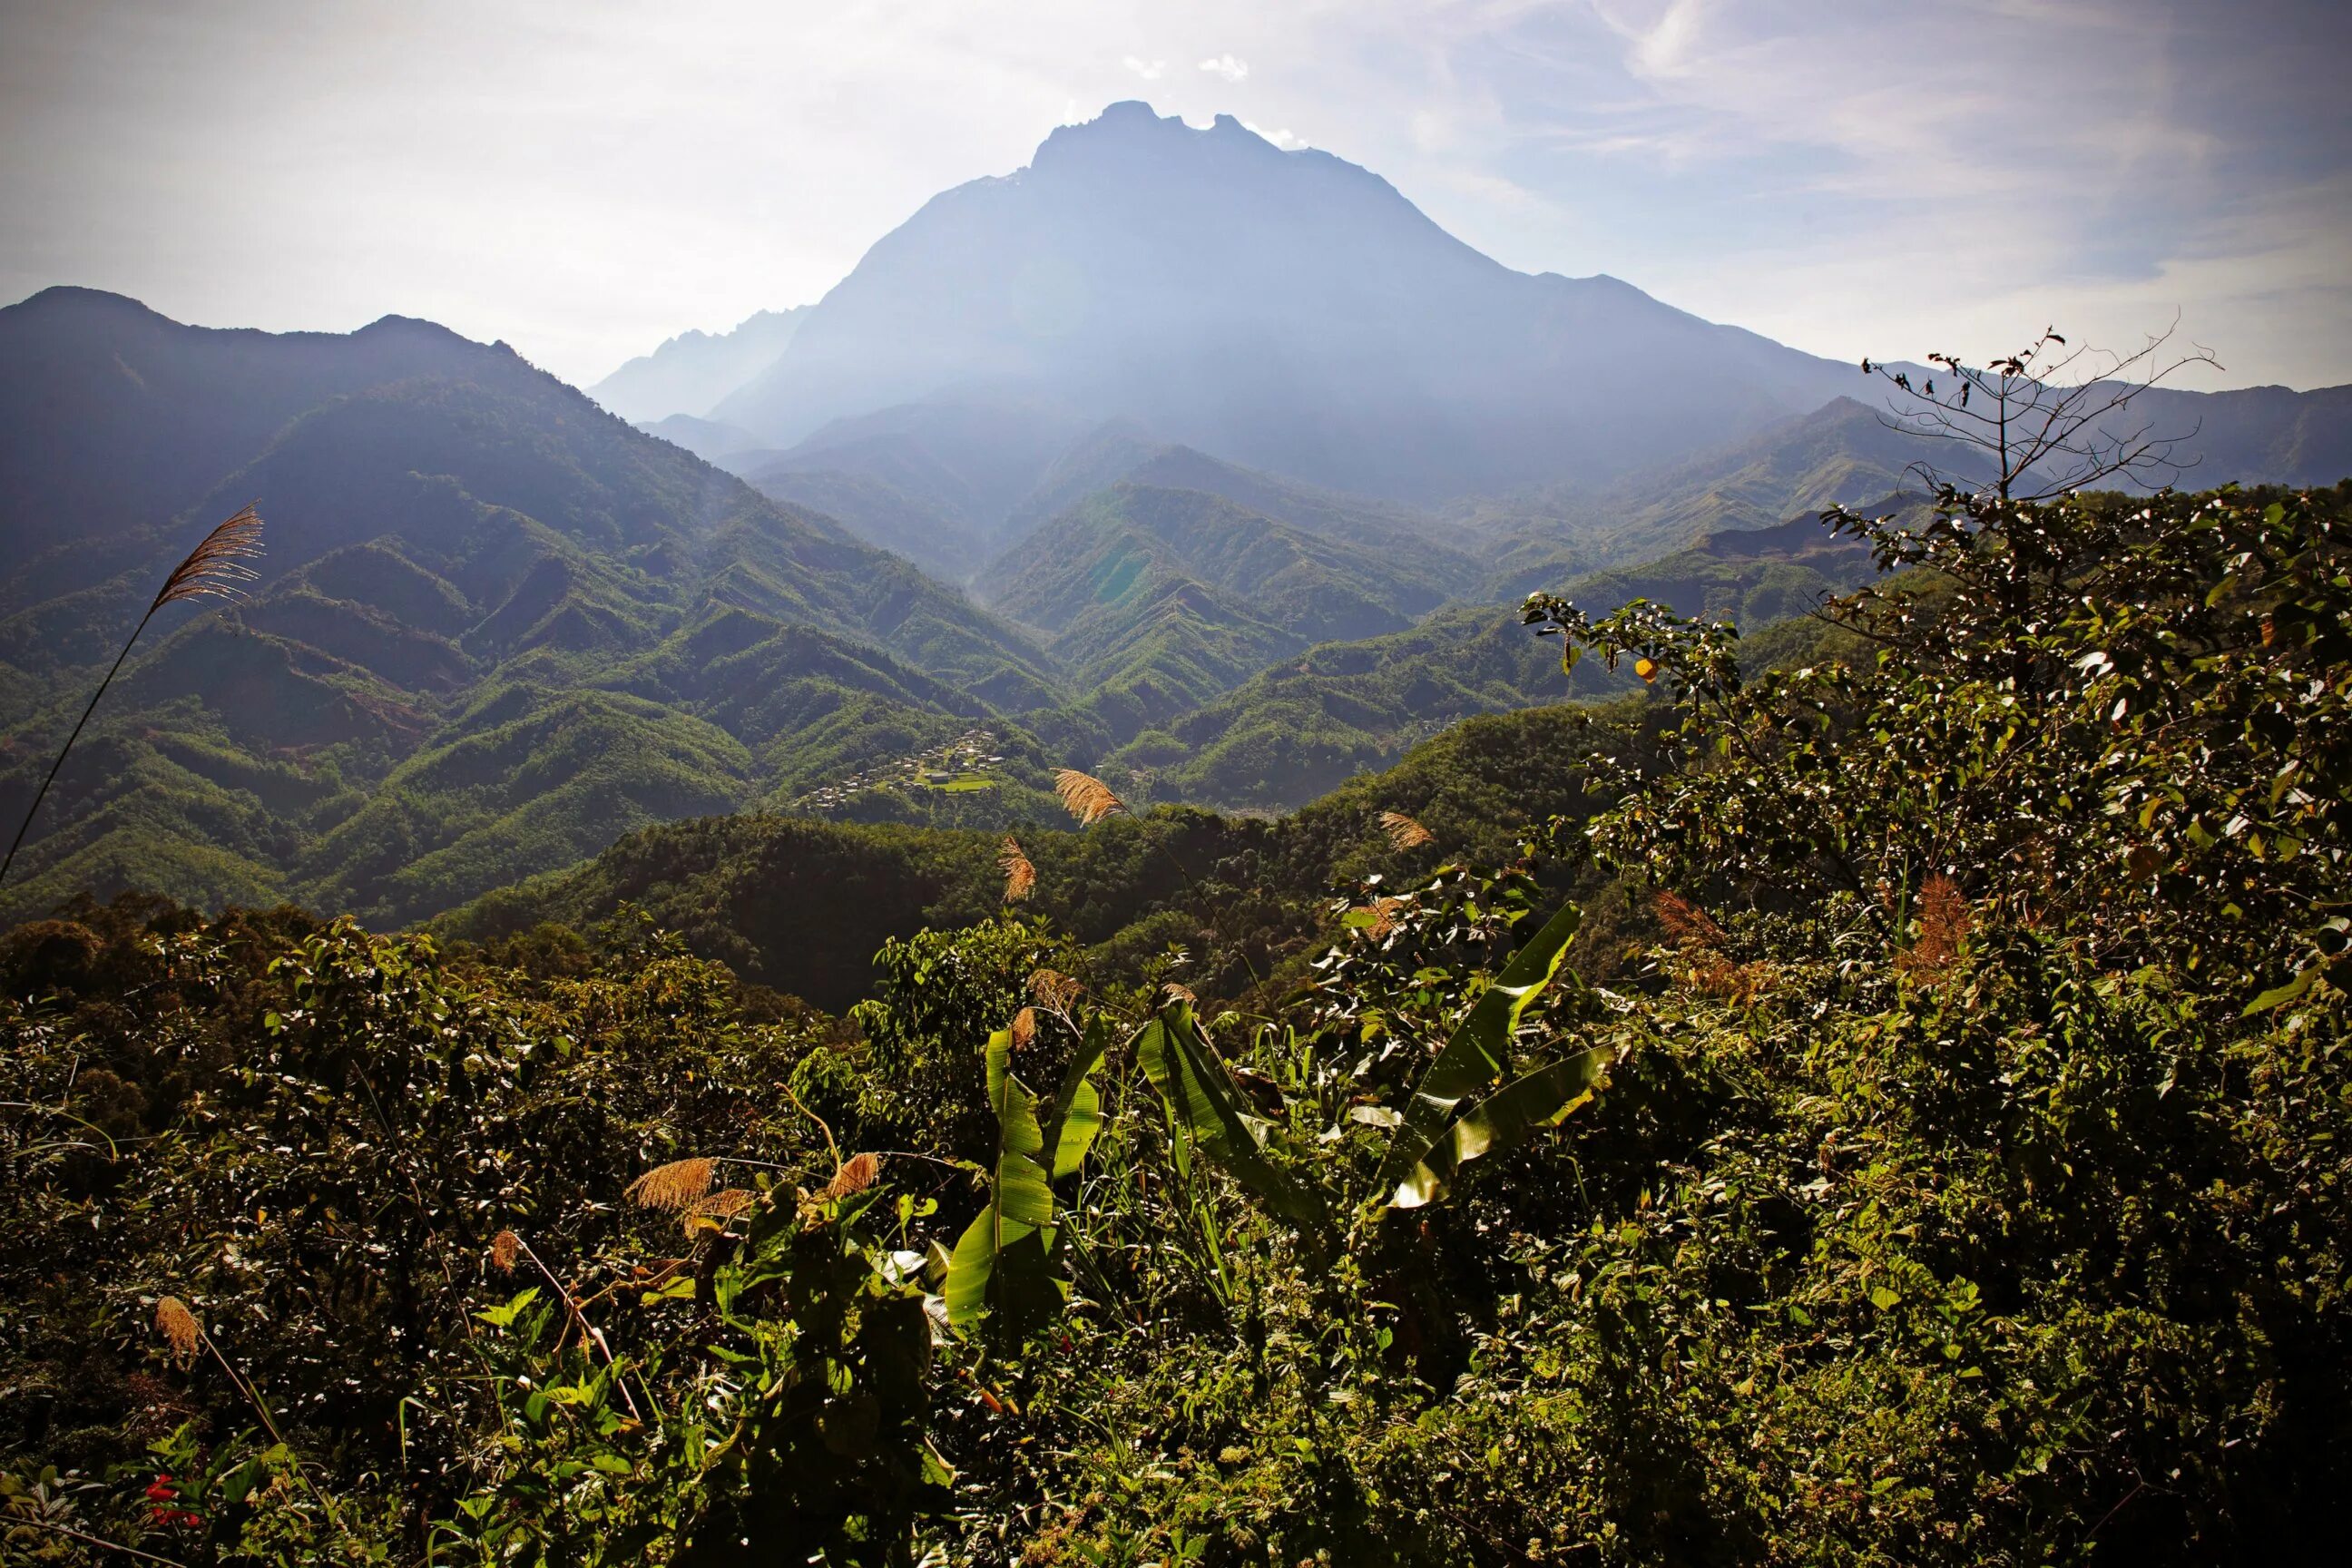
(1645, 668)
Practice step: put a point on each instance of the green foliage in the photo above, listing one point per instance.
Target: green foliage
(312, 1137)
(1204, 1111)
(1436, 1135)
(780, 1408)
(802, 906)
(1957, 1170)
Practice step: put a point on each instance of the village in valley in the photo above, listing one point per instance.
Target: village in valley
(954, 769)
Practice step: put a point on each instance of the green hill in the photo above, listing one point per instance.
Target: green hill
(1842, 452)
(1159, 600)
(802, 905)
(498, 627)
(1306, 725)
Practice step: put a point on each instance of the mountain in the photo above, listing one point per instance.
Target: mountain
(1288, 312)
(497, 627)
(1850, 451)
(1294, 314)
(2254, 435)
(952, 487)
(1840, 453)
(706, 438)
(117, 419)
(1307, 723)
(695, 371)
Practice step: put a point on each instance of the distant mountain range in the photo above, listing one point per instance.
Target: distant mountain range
(1211, 467)
(1292, 315)
(498, 625)
(694, 372)
(1285, 310)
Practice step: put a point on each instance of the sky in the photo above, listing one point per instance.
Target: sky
(584, 178)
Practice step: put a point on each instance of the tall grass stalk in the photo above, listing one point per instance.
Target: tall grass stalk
(215, 569)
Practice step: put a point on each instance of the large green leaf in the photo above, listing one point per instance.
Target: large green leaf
(1077, 1109)
(1509, 1116)
(1204, 1107)
(1000, 1263)
(1480, 1050)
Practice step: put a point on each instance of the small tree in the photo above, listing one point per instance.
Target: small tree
(2054, 418)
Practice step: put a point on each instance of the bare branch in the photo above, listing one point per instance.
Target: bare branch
(2046, 417)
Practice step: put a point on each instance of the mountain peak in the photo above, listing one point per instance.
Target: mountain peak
(1287, 311)
(72, 297)
(1131, 129)
(418, 330)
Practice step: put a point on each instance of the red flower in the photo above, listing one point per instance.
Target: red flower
(161, 1489)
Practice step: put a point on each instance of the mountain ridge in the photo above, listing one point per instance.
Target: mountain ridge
(692, 372)
(1426, 368)
(496, 627)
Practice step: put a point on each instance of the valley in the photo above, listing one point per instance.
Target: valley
(1185, 875)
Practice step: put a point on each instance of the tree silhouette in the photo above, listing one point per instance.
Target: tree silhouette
(2053, 419)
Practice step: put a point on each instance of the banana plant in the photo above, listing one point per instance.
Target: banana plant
(1204, 1108)
(1458, 1113)
(1461, 1110)
(1002, 1266)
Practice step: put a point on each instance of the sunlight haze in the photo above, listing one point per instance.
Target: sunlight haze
(586, 179)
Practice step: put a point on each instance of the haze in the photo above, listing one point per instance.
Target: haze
(584, 180)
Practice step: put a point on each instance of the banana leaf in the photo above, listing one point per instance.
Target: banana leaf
(1204, 1108)
(1001, 1263)
(1479, 1052)
(1077, 1109)
(1504, 1118)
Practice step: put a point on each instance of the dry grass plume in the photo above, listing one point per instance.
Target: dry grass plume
(505, 1247)
(178, 1327)
(1944, 924)
(674, 1188)
(1020, 876)
(215, 569)
(1085, 796)
(1054, 989)
(1404, 832)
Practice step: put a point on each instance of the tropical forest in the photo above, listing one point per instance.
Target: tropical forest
(1186, 877)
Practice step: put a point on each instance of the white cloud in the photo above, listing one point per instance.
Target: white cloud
(1150, 72)
(1227, 67)
(1282, 139)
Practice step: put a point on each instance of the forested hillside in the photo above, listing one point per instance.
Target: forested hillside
(1882, 1100)
(498, 628)
(800, 906)
(1309, 722)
